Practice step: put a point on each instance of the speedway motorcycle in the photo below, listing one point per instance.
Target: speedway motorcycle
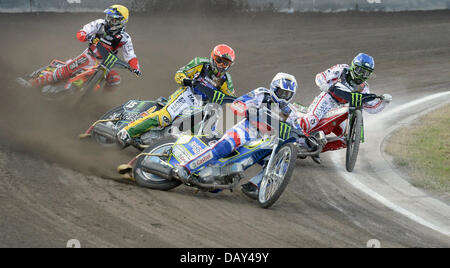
(82, 82)
(156, 167)
(104, 130)
(354, 132)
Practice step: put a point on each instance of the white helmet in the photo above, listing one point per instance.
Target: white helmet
(283, 87)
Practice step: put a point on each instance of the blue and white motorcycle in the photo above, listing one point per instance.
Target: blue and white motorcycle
(155, 168)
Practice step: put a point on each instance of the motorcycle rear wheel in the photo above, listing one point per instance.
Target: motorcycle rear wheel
(273, 185)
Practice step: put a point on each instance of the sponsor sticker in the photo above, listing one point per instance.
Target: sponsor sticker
(180, 154)
(202, 160)
(196, 147)
(177, 106)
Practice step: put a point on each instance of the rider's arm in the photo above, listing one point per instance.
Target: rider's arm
(374, 106)
(128, 52)
(253, 98)
(227, 86)
(89, 29)
(190, 70)
(329, 77)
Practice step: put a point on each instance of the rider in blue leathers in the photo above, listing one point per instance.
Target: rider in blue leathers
(281, 92)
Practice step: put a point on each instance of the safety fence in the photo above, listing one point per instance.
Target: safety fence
(288, 6)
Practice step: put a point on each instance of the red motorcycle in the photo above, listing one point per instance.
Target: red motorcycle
(328, 129)
(82, 82)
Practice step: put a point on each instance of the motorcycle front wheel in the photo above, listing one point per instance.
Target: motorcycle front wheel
(353, 141)
(280, 172)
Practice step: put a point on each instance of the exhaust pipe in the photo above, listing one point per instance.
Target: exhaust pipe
(159, 170)
(105, 131)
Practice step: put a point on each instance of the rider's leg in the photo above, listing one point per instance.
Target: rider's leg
(179, 101)
(231, 140)
(339, 141)
(316, 111)
(65, 71)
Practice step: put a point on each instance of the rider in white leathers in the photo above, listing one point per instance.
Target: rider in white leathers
(354, 79)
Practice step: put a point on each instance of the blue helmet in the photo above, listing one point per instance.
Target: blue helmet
(361, 68)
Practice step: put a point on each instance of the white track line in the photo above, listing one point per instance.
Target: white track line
(353, 179)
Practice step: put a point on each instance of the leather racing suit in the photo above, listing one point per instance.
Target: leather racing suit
(247, 130)
(327, 100)
(183, 98)
(90, 56)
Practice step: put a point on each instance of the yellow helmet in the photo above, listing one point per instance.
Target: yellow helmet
(116, 17)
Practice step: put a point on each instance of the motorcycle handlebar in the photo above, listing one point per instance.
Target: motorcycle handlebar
(211, 93)
(352, 96)
(105, 54)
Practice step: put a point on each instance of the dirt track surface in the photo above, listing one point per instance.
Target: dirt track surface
(54, 187)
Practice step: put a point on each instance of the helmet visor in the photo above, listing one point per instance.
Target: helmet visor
(114, 21)
(361, 72)
(222, 63)
(283, 94)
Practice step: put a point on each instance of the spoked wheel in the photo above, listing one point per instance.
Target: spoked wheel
(353, 141)
(280, 172)
(147, 179)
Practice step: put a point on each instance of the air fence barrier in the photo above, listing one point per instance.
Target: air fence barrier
(287, 6)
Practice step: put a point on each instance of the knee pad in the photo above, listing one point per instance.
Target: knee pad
(159, 118)
(164, 117)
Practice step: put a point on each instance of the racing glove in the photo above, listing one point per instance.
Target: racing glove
(137, 72)
(387, 98)
(134, 64)
(187, 82)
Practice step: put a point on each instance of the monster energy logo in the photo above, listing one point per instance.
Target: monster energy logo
(218, 97)
(356, 99)
(110, 61)
(285, 130)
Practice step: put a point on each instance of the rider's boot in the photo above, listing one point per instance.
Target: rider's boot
(23, 82)
(251, 189)
(42, 80)
(316, 158)
(61, 73)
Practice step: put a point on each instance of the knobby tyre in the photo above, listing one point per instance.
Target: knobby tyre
(280, 172)
(353, 141)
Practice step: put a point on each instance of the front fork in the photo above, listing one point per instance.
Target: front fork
(351, 121)
(272, 155)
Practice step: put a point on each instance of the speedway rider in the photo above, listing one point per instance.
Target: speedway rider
(354, 78)
(281, 93)
(111, 31)
(214, 70)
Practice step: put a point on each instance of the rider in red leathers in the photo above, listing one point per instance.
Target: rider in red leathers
(111, 31)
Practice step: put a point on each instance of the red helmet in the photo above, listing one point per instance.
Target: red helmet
(222, 57)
